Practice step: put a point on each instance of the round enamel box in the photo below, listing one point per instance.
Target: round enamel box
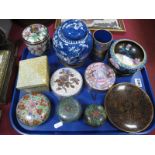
(36, 38)
(33, 109)
(99, 76)
(95, 115)
(66, 82)
(69, 109)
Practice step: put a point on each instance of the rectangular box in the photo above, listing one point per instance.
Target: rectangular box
(33, 75)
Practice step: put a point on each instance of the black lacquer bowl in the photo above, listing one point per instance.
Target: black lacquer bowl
(129, 108)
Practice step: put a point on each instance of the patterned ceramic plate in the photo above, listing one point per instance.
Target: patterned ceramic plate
(66, 82)
(128, 107)
(99, 76)
(33, 109)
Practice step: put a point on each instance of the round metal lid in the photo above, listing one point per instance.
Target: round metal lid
(95, 115)
(33, 109)
(100, 76)
(66, 82)
(35, 33)
(69, 110)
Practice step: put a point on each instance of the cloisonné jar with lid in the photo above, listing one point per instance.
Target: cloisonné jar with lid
(72, 42)
(36, 38)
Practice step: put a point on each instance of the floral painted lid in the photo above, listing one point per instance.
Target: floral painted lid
(100, 76)
(69, 109)
(95, 115)
(66, 82)
(35, 33)
(74, 29)
(33, 109)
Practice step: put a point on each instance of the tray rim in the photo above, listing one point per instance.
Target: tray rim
(150, 93)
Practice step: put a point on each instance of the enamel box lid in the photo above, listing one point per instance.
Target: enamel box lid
(33, 109)
(95, 115)
(99, 76)
(35, 33)
(69, 109)
(66, 82)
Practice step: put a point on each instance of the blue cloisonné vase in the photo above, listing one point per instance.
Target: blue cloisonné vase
(72, 42)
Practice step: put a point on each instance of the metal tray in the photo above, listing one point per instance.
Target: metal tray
(85, 97)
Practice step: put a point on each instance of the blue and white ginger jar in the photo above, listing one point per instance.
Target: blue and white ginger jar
(72, 42)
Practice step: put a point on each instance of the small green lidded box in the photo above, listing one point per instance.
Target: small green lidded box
(33, 75)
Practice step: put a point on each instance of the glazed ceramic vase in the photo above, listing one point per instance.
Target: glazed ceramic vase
(72, 42)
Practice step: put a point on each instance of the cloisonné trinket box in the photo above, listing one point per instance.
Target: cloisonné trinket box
(66, 82)
(99, 76)
(72, 42)
(33, 75)
(69, 109)
(33, 109)
(36, 38)
(95, 115)
(127, 56)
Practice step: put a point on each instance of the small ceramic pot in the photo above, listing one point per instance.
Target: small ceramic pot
(95, 115)
(72, 42)
(127, 56)
(69, 110)
(99, 76)
(36, 38)
(66, 82)
(33, 109)
(102, 42)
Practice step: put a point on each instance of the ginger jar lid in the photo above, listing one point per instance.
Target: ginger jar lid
(35, 33)
(33, 109)
(74, 29)
(100, 76)
(66, 82)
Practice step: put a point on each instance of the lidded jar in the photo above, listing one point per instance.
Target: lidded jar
(72, 42)
(36, 38)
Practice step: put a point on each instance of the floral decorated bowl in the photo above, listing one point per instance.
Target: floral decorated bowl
(36, 38)
(127, 56)
(72, 42)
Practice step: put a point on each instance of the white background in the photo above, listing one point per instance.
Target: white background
(77, 145)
